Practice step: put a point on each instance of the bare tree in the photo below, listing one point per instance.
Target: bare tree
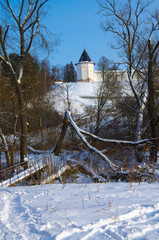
(107, 91)
(153, 100)
(20, 28)
(132, 25)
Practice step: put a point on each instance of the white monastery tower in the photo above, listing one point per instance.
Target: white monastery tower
(85, 68)
(86, 72)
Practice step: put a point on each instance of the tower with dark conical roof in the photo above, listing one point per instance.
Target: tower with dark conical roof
(85, 68)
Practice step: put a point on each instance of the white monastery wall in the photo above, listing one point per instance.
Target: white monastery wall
(97, 76)
(86, 73)
(121, 74)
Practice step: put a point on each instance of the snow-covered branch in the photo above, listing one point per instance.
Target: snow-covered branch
(37, 151)
(114, 140)
(93, 149)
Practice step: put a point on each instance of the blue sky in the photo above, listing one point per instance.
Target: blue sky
(76, 23)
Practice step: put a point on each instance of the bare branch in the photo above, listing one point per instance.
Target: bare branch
(115, 141)
(30, 13)
(12, 12)
(99, 153)
(21, 10)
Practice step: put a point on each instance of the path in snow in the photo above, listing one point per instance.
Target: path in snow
(75, 211)
(19, 221)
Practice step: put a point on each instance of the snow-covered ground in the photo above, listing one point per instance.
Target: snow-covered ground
(80, 94)
(80, 211)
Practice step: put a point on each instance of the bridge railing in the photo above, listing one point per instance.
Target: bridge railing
(9, 173)
(18, 172)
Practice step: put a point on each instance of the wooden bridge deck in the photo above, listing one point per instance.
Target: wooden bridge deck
(15, 174)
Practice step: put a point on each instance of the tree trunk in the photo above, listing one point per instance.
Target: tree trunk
(23, 138)
(96, 130)
(22, 116)
(62, 135)
(140, 115)
(41, 127)
(6, 149)
(151, 108)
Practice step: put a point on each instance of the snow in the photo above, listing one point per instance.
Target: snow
(19, 176)
(111, 165)
(80, 211)
(81, 94)
(114, 140)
